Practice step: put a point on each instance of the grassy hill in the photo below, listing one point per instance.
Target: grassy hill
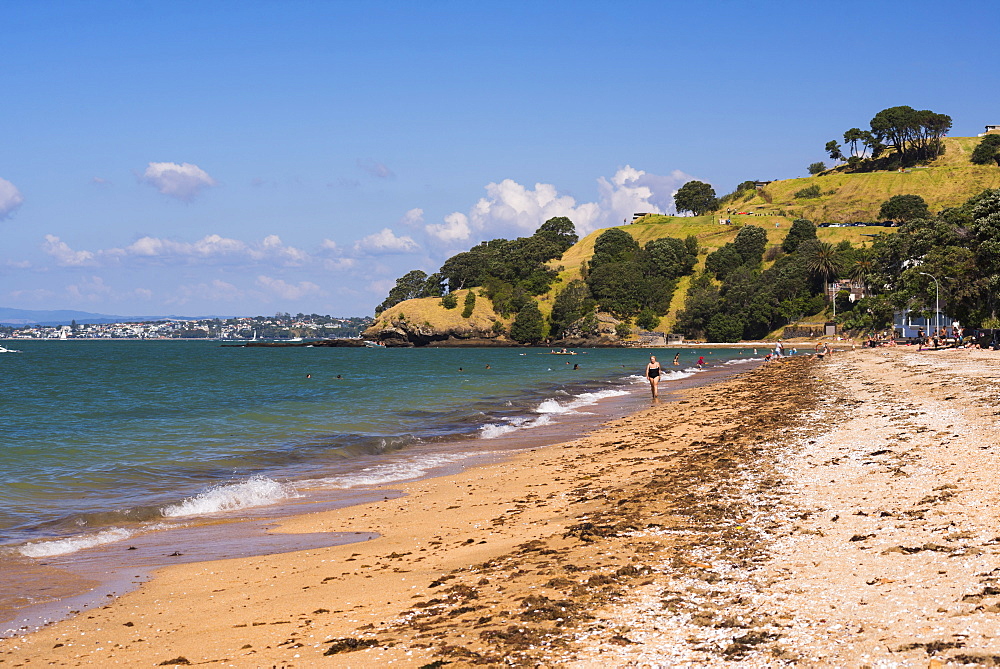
(845, 197)
(848, 197)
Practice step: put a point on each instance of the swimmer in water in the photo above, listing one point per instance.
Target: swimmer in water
(677, 359)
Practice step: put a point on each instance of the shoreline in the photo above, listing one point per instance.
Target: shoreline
(102, 565)
(413, 529)
(833, 513)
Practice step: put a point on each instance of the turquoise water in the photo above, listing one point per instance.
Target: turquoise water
(101, 439)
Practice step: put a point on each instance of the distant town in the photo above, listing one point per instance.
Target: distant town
(277, 327)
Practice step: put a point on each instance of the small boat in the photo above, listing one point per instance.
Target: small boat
(7, 350)
(373, 344)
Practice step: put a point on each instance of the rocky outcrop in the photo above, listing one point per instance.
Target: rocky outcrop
(426, 322)
(408, 333)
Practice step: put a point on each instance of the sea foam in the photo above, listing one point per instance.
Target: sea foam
(39, 549)
(255, 491)
(391, 472)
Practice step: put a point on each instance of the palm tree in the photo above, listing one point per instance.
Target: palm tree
(823, 260)
(862, 272)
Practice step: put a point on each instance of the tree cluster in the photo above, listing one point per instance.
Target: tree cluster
(959, 246)
(628, 280)
(913, 134)
(747, 303)
(511, 270)
(987, 152)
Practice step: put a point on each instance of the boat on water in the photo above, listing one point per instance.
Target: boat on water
(3, 349)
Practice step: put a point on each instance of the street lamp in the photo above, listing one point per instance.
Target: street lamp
(937, 304)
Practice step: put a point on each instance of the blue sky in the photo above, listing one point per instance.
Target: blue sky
(241, 158)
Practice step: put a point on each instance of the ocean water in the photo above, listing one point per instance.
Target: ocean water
(101, 441)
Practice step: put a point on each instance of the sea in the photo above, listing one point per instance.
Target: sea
(113, 452)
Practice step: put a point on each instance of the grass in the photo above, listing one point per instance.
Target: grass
(428, 310)
(946, 182)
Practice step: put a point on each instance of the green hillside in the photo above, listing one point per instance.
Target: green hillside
(847, 197)
(710, 234)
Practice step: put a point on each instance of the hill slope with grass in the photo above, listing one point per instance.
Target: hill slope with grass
(845, 197)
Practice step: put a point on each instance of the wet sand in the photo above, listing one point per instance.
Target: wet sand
(821, 513)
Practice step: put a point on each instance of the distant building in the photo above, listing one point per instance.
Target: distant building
(641, 214)
(759, 185)
(991, 129)
(907, 323)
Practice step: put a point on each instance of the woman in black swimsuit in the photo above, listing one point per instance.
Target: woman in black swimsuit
(653, 374)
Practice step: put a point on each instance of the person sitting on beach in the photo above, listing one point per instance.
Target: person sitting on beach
(653, 374)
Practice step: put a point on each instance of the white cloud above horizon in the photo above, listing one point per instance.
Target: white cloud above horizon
(510, 208)
(385, 241)
(183, 181)
(10, 199)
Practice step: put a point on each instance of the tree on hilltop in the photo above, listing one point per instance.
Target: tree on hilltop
(915, 134)
(832, 149)
(816, 168)
(697, 197)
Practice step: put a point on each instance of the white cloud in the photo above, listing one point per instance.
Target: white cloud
(285, 290)
(454, 229)
(630, 191)
(184, 181)
(17, 264)
(64, 255)
(210, 247)
(376, 169)
(10, 199)
(512, 209)
(98, 181)
(414, 216)
(386, 241)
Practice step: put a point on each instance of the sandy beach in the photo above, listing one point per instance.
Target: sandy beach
(834, 513)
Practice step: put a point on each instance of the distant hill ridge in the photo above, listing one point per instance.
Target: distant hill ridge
(10, 316)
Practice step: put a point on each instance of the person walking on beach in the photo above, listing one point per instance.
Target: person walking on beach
(701, 361)
(653, 374)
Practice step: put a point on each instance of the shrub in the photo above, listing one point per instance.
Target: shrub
(811, 191)
(470, 304)
(816, 168)
(449, 301)
(647, 319)
(528, 327)
(987, 152)
(623, 329)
